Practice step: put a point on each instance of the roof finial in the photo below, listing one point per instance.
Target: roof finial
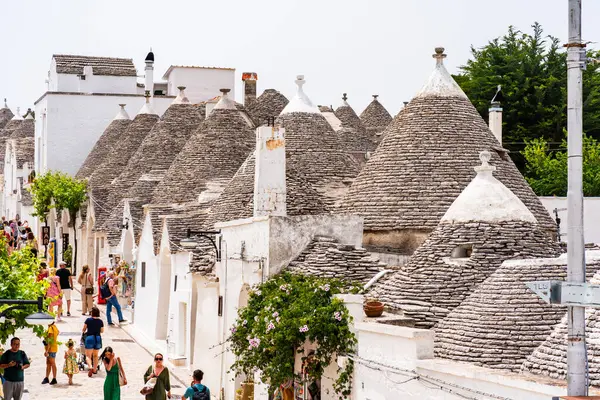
(122, 105)
(344, 97)
(485, 157)
(181, 98)
(225, 91)
(439, 55)
(300, 81)
(5, 105)
(19, 111)
(375, 96)
(147, 96)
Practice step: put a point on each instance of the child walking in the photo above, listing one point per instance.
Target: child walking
(70, 367)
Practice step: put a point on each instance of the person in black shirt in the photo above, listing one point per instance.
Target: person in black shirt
(66, 284)
(93, 327)
(14, 362)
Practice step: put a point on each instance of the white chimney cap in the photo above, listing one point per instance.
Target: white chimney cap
(147, 108)
(441, 83)
(17, 116)
(181, 97)
(300, 102)
(122, 114)
(225, 103)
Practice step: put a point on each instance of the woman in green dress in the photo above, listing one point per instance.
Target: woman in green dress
(112, 390)
(162, 388)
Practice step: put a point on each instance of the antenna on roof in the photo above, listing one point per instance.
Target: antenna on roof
(439, 55)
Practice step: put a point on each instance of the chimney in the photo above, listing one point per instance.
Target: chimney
(149, 74)
(249, 79)
(269, 173)
(495, 115)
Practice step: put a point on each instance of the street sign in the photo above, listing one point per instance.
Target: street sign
(45, 235)
(567, 293)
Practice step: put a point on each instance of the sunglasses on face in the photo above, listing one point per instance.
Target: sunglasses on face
(158, 359)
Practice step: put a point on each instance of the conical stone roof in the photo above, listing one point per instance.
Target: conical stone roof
(375, 117)
(485, 225)
(315, 157)
(109, 138)
(116, 160)
(26, 129)
(269, 104)
(353, 133)
(423, 163)
(550, 358)
(6, 133)
(5, 115)
(210, 157)
(237, 200)
(502, 322)
(160, 147)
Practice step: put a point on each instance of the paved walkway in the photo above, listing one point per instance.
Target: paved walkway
(134, 357)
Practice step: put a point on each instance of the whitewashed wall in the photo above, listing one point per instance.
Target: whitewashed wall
(201, 83)
(591, 216)
(68, 125)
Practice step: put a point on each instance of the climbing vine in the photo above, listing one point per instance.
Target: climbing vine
(285, 313)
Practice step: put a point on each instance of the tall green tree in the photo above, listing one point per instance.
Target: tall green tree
(69, 194)
(547, 170)
(41, 191)
(531, 67)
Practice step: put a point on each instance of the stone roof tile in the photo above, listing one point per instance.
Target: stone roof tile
(269, 104)
(375, 117)
(73, 64)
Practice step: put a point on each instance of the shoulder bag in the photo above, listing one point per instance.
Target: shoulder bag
(121, 373)
(88, 289)
(149, 386)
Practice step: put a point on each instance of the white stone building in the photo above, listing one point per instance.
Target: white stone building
(83, 93)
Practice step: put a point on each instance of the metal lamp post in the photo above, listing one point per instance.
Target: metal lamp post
(190, 242)
(38, 318)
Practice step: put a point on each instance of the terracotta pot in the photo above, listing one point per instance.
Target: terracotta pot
(373, 308)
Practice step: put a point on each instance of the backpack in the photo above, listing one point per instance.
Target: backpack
(105, 290)
(200, 394)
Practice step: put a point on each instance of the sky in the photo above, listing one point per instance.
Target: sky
(360, 47)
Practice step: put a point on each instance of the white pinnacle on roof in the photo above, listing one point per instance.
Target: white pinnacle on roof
(181, 97)
(440, 82)
(487, 199)
(147, 108)
(225, 103)
(29, 116)
(300, 102)
(17, 115)
(122, 114)
(5, 104)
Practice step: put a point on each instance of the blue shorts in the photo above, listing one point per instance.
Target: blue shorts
(93, 342)
(52, 354)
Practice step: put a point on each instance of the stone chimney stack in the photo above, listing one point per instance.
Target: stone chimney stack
(249, 79)
(495, 115)
(149, 74)
(270, 173)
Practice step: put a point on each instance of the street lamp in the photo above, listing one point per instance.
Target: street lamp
(190, 243)
(38, 318)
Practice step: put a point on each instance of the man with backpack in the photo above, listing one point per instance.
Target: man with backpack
(197, 391)
(109, 293)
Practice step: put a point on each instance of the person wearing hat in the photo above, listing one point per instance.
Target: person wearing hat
(66, 284)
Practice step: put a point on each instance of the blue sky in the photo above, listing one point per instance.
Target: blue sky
(361, 47)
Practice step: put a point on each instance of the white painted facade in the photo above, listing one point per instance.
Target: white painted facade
(11, 191)
(591, 216)
(69, 124)
(202, 83)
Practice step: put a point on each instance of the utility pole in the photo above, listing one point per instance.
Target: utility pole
(576, 347)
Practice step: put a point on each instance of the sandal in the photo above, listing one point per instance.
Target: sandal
(90, 372)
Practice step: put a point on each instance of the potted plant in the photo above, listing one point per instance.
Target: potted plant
(373, 308)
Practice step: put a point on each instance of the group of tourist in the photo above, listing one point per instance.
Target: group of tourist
(156, 380)
(18, 235)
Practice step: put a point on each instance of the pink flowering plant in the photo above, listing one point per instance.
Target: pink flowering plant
(282, 315)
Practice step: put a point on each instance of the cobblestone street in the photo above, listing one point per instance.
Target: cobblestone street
(134, 357)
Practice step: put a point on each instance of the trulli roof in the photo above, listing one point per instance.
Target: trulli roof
(269, 104)
(24, 149)
(325, 257)
(502, 322)
(159, 148)
(353, 133)
(73, 64)
(237, 200)
(6, 133)
(210, 157)
(109, 138)
(116, 160)
(425, 160)
(5, 115)
(26, 129)
(314, 154)
(485, 225)
(375, 117)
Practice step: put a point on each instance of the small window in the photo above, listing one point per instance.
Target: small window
(220, 307)
(82, 77)
(101, 243)
(175, 285)
(143, 274)
(462, 251)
